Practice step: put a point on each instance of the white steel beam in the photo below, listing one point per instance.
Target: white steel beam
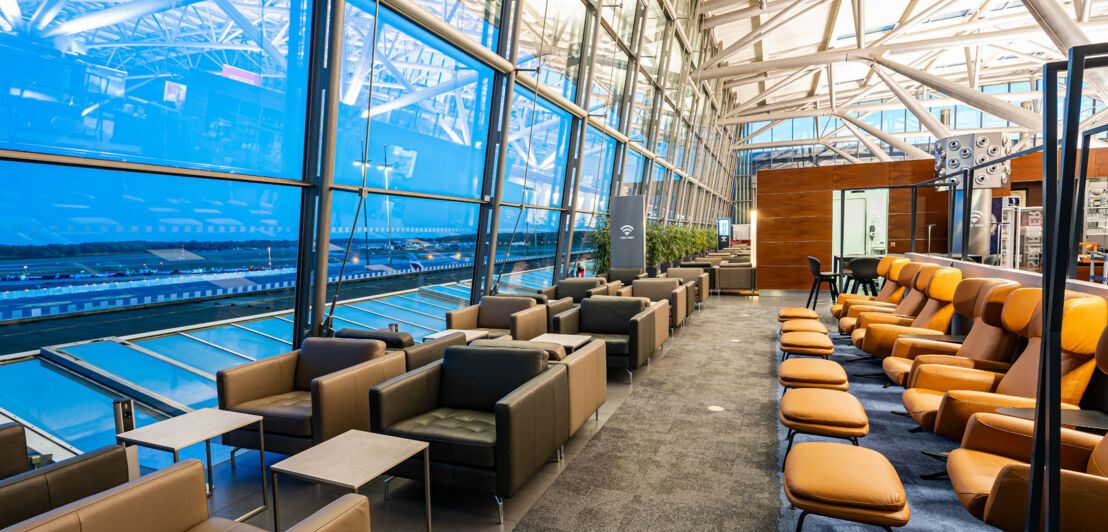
(780, 20)
(926, 119)
(251, 31)
(781, 85)
(911, 151)
(742, 14)
(869, 144)
(849, 158)
(46, 12)
(859, 10)
(115, 15)
(1065, 33)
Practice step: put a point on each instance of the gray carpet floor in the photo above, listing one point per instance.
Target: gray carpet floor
(664, 461)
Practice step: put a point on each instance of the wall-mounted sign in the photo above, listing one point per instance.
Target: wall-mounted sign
(723, 233)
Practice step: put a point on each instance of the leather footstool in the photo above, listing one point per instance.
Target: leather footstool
(803, 326)
(845, 482)
(812, 373)
(831, 413)
(796, 313)
(806, 343)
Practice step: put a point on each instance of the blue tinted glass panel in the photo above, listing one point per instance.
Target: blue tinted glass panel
(525, 241)
(275, 327)
(657, 188)
(192, 353)
(551, 34)
(429, 115)
(243, 341)
(171, 83)
(538, 146)
(478, 19)
(633, 165)
(596, 170)
(155, 375)
(608, 79)
(76, 240)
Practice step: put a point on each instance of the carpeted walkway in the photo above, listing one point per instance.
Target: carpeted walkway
(663, 461)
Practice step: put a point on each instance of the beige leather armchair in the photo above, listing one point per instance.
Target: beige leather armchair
(579, 288)
(734, 278)
(175, 499)
(40, 490)
(13, 450)
(663, 289)
(309, 395)
(698, 276)
(520, 317)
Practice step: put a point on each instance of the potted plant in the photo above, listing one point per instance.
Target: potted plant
(601, 244)
(654, 248)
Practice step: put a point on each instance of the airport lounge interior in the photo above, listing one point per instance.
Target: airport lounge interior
(755, 265)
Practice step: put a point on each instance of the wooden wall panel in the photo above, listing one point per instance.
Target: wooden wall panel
(805, 229)
(860, 175)
(795, 204)
(795, 180)
(785, 277)
(1028, 168)
(911, 172)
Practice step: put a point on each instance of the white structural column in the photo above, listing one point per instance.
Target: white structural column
(978, 100)
(869, 144)
(849, 158)
(1066, 34)
(742, 14)
(859, 8)
(911, 151)
(771, 91)
(927, 119)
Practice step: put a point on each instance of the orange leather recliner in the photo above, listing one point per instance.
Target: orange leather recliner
(875, 333)
(914, 277)
(986, 342)
(942, 398)
(891, 292)
(990, 471)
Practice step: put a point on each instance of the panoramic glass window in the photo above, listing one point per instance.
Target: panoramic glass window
(526, 242)
(654, 32)
(583, 224)
(423, 240)
(538, 146)
(596, 170)
(78, 240)
(550, 39)
(633, 165)
(679, 141)
(92, 80)
(642, 103)
(675, 70)
(665, 131)
(608, 80)
(477, 19)
(429, 117)
(657, 188)
(621, 17)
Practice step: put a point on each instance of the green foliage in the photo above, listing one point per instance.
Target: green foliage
(666, 243)
(601, 243)
(654, 244)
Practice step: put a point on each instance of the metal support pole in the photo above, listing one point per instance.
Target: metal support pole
(967, 211)
(1079, 210)
(326, 175)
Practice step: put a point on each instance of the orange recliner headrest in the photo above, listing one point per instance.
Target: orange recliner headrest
(972, 295)
(944, 282)
(896, 267)
(908, 274)
(1020, 310)
(1083, 318)
(923, 277)
(883, 266)
(991, 303)
(1102, 351)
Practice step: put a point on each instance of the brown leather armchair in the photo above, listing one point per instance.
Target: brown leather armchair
(891, 291)
(990, 473)
(38, 491)
(13, 450)
(942, 398)
(492, 416)
(879, 331)
(987, 341)
(914, 277)
(708, 268)
(415, 355)
(699, 279)
(624, 275)
(663, 289)
(519, 317)
(736, 278)
(309, 395)
(626, 324)
(175, 499)
(579, 288)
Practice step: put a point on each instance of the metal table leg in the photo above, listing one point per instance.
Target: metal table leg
(208, 453)
(276, 508)
(427, 483)
(265, 496)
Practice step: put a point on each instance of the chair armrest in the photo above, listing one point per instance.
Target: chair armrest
(911, 348)
(866, 319)
(392, 340)
(532, 421)
(704, 285)
(587, 372)
(854, 297)
(420, 355)
(349, 513)
(625, 291)
(678, 300)
(601, 290)
(1011, 437)
(255, 380)
(1084, 495)
(641, 275)
(958, 405)
(528, 323)
(13, 450)
(613, 288)
(403, 397)
(957, 361)
(340, 400)
(853, 310)
(463, 318)
(568, 322)
(550, 292)
(642, 331)
(947, 378)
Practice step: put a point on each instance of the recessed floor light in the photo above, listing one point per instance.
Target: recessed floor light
(715, 408)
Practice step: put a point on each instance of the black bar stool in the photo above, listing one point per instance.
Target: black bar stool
(863, 272)
(818, 278)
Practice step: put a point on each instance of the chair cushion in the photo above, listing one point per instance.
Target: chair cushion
(476, 377)
(323, 356)
(614, 344)
(495, 333)
(812, 373)
(288, 413)
(496, 311)
(796, 313)
(655, 289)
(803, 326)
(843, 475)
(465, 437)
(897, 368)
(972, 474)
(553, 351)
(923, 405)
(609, 314)
(818, 406)
(807, 343)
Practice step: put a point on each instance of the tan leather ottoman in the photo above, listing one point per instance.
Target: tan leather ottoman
(831, 413)
(796, 313)
(844, 482)
(812, 373)
(805, 343)
(803, 326)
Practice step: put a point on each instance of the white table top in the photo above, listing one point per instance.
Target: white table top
(350, 459)
(569, 341)
(471, 334)
(179, 432)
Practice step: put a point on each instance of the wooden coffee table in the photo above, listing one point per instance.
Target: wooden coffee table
(197, 426)
(571, 342)
(350, 460)
(471, 334)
